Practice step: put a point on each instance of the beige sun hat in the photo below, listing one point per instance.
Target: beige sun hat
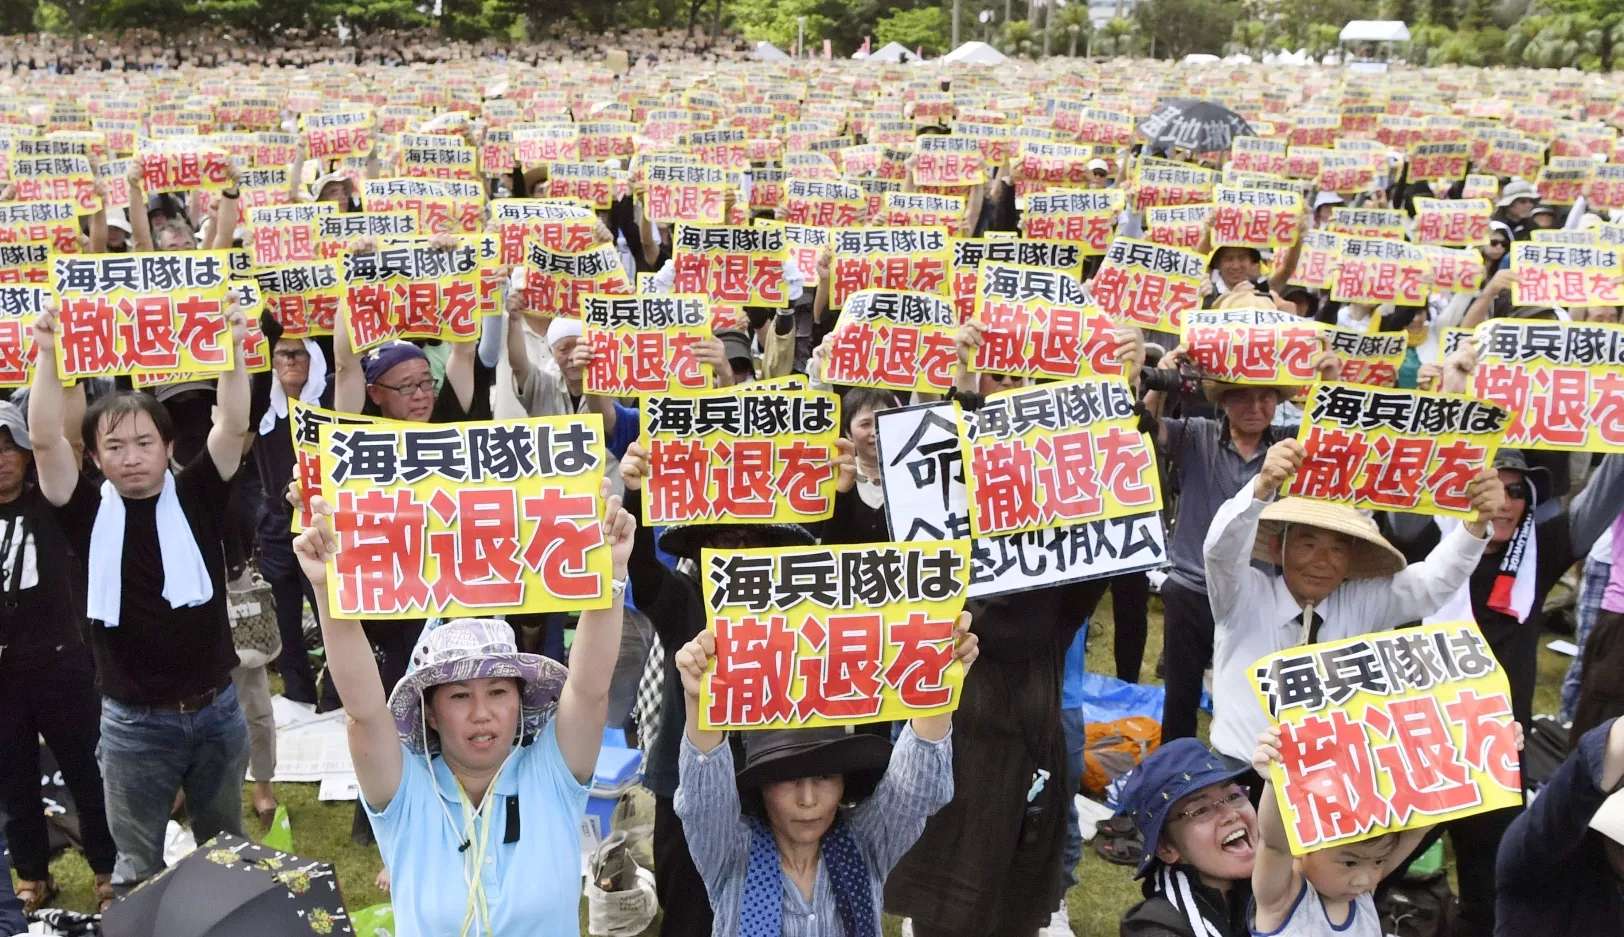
(1373, 557)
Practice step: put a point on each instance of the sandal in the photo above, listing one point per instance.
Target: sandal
(1118, 850)
(105, 895)
(36, 895)
(1118, 841)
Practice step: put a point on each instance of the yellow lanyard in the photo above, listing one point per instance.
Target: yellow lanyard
(478, 826)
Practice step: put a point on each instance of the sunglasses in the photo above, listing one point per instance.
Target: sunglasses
(1503, 245)
(1518, 491)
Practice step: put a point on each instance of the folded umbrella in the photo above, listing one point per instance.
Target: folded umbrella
(1197, 126)
(231, 887)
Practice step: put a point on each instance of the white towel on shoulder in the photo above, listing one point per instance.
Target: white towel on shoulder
(315, 384)
(186, 577)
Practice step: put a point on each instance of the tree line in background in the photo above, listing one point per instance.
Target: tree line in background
(1538, 33)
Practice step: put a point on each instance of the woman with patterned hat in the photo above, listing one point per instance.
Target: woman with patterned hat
(475, 771)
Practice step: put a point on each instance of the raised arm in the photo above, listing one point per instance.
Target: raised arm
(374, 745)
(296, 172)
(1595, 508)
(228, 212)
(1287, 264)
(1484, 301)
(54, 460)
(228, 438)
(1228, 546)
(518, 354)
(1275, 881)
(140, 225)
(584, 705)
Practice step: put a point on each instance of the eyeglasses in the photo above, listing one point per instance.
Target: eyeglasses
(1232, 800)
(1003, 378)
(426, 385)
(290, 354)
(1099, 174)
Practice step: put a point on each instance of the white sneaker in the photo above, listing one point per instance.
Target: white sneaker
(907, 927)
(1059, 923)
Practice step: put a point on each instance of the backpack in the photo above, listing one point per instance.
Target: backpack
(1114, 748)
(1418, 907)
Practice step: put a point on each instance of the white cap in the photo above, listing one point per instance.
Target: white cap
(117, 218)
(1327, 198)
(1097, 163)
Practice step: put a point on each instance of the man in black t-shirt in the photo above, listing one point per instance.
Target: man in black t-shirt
(47, 683)
(156, 600)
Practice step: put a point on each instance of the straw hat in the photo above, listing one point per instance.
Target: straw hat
(1373, 557)
(1214, 391)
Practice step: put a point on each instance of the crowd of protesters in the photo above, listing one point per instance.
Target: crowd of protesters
(117, 556)
(148, 50)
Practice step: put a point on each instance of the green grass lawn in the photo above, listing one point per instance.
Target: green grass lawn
(322, 830)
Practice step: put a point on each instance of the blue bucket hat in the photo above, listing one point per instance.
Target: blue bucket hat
(1179, 768)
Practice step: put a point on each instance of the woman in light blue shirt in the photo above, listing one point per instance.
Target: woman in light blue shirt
(474, 771)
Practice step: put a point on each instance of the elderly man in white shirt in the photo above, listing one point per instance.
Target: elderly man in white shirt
(1334, 577)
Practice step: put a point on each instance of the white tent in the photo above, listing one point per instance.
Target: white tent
(1200, 58)
(1375, 31)
(767, 52)
(976, 53)
(891, 52)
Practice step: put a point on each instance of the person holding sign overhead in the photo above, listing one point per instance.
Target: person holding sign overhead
(476, 767)
(817, 816)
(152, 539)
(1327, 891)
(1334, 577)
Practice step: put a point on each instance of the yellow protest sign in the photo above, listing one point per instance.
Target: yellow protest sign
(20, 305)
(304, 298)
(740, 455)
(1177, 225)
(924, 209)
(824, 203)
(687, 193)
(304, 421)
(1082, 216)
(1369, 222)
(466, 519)
(811, 636)
(1148, 285)
(410, 289)
(1369, 358)
(1317, 259)
(1062, 453)
(442, 206)
(947, 160)
(644, 344)
(968, 254)
(555, 280)
(1562, 381)
(1565, 275)
(1252, 345)
(1452, 222)
(1388, 731)
(55, 224)
(142, 313)
(1395, 450)
(894, 339)
(1038, 322)
(182, 165)
(333, 135)
(1255, 217)
(591, 183)
(56, 178)
(1447, 161)
(912, 259)
(731, 264)
(1380, 270)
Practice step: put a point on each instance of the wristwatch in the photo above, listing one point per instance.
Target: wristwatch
(230, 193)
(617, 588)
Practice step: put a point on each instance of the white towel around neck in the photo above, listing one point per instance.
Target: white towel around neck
(186, 578)
(314, 386)
(1459, 606)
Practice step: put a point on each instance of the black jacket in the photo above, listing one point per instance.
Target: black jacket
(1165, 913)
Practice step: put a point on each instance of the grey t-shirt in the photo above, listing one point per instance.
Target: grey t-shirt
(1209, 471)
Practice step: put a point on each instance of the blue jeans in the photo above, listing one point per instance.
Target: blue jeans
(1587, 608)
(147, 756)
(1071, 720)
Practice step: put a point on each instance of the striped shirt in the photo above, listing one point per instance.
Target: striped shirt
(917, 783)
